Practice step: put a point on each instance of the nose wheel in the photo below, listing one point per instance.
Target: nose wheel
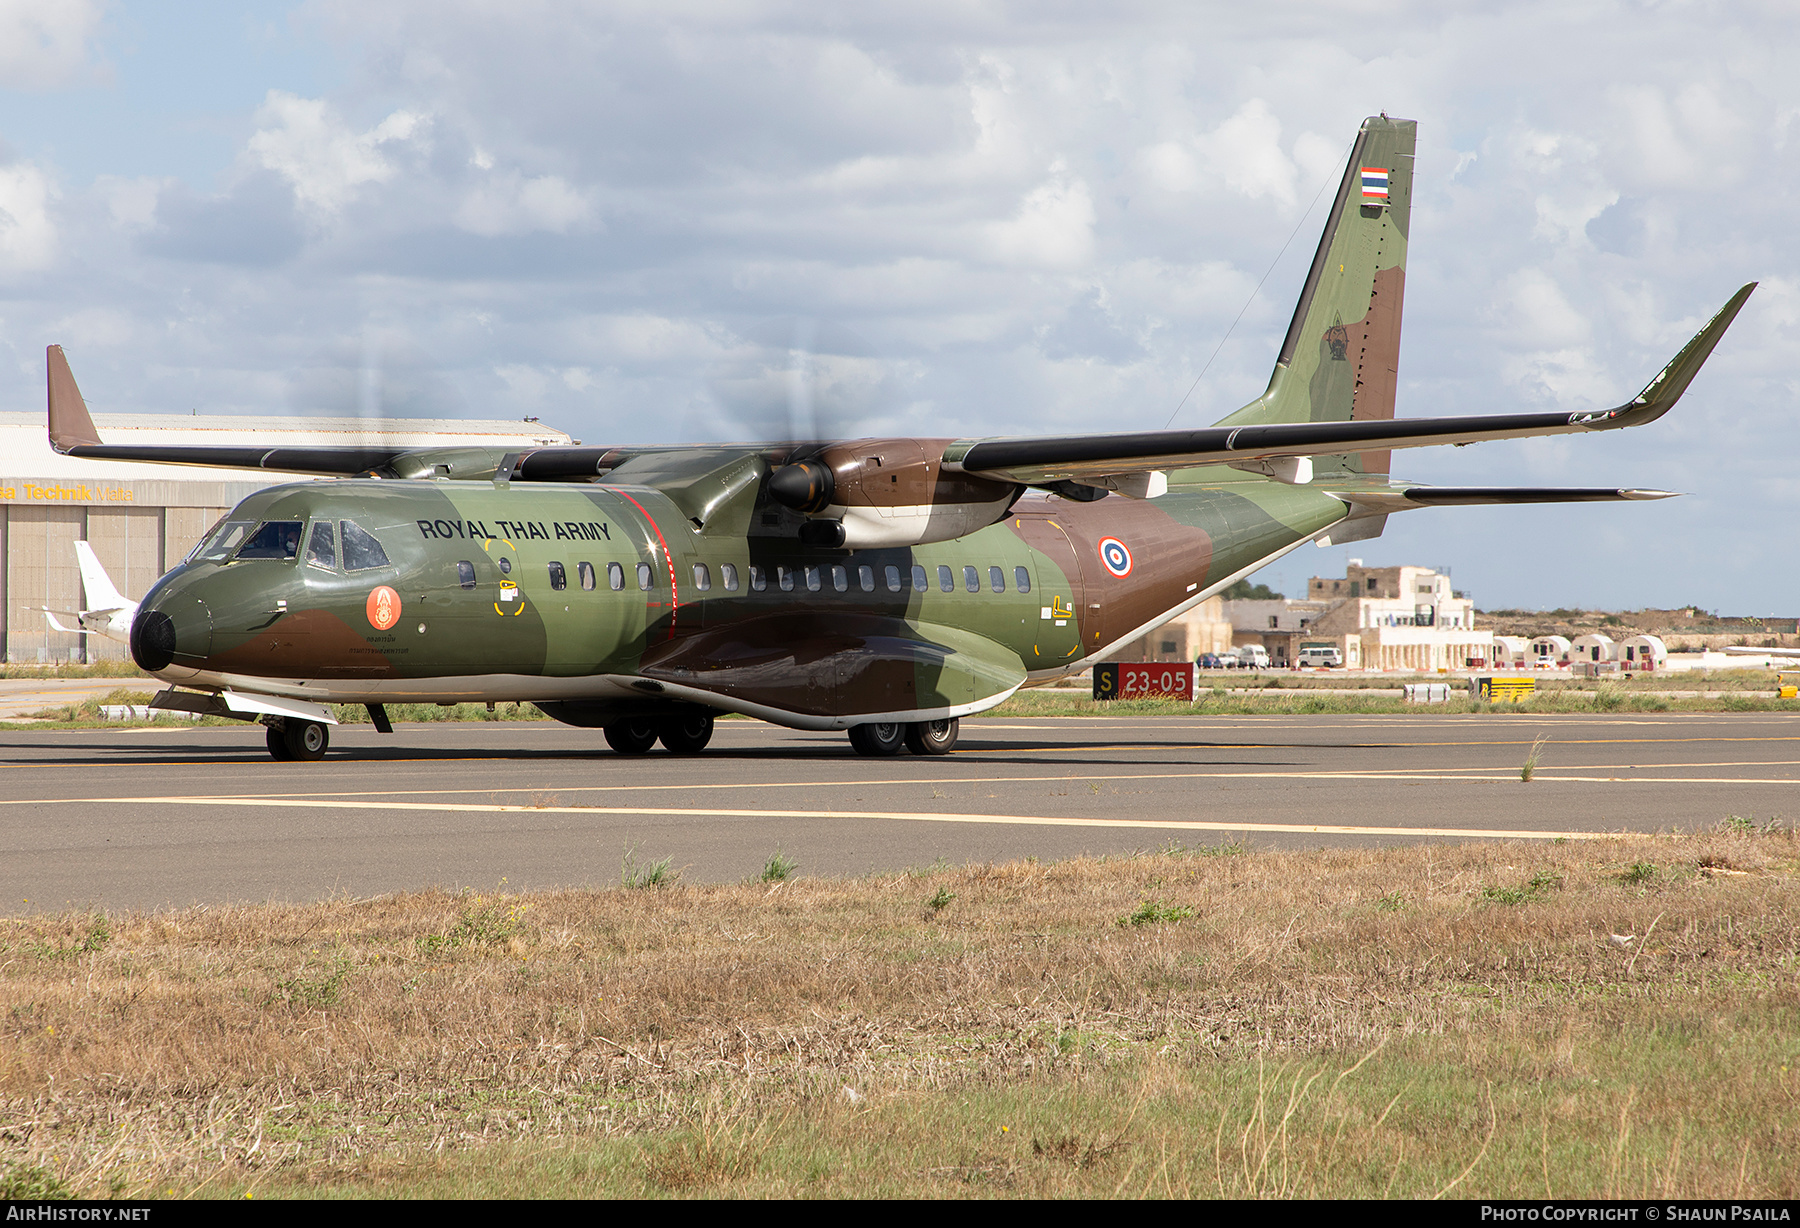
(297, 741)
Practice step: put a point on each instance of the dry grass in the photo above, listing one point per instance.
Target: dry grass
(1404, 1021)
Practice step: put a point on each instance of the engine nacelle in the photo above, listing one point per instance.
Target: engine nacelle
(890, 492)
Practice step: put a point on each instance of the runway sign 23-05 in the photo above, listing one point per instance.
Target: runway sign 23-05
(1144, 680)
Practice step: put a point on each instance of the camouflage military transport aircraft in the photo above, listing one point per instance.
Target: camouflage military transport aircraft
(886, 587)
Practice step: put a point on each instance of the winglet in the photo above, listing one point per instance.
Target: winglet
(1660, 394)
(70, 425)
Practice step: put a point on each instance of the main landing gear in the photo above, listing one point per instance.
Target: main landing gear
(920, 737)
(682, 735)
(291, 739)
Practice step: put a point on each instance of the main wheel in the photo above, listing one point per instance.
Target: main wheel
(884, 738)
(632, 736)
(931, 737)
(686, 735)
(305, 740)
(277, 743)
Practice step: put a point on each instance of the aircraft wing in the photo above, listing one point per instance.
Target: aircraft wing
(1046, 459)
(1282, 449)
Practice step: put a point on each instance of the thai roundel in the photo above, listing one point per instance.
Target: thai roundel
(1116, 557)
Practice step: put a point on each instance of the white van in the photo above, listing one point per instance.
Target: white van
(1252, 656)
(1321, 658)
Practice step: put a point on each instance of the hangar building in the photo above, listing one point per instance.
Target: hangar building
(143, 519)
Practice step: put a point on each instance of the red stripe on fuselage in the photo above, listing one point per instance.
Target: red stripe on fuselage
(674, 598)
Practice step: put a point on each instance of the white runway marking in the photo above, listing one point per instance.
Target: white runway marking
(1011, 820)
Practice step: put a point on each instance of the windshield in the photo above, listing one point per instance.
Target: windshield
(278, 539)
(224, 539)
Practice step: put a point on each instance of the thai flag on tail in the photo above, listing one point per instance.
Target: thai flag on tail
(1374, 185)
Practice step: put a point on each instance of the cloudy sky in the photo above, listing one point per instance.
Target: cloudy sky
(675, 221)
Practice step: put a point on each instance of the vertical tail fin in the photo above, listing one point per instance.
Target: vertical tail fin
(1341, 358)
(102, 594)
(70, 424)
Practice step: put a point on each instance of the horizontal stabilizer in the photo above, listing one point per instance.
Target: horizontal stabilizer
(50, 617)
(1401, 498)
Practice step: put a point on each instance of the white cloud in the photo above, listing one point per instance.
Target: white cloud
(44, 43)
(27, 235)
(1243, 154)
(1054, 225)
(303, 141)
(510, 204)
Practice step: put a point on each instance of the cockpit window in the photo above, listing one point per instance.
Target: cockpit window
(361, 550)
(277, 539)
(224, 538)
(321, 547)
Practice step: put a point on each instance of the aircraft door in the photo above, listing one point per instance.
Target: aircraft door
(1057, 582)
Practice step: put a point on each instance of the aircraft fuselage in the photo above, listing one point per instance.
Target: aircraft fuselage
(602, 599)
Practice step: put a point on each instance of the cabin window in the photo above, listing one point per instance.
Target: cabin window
(892, 575)
(997, 579)
(465, 573)
(840, 578)
(919, 584)
(972, 578)
(321, 551)
(505, 565)
(361, 550)
(812, 580)
(644, 577)
(784, 576)
(728, 576)
(559, 577)
(1022, 579)
(278, 539)
(946, 579)
(865, 576)
(759, 579)
(702, 578)
(586, 572)
(615, 577)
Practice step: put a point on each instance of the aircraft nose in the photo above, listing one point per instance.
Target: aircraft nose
(177, 628)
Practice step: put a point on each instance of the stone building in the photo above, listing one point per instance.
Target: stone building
(1202, 629)
(1388, 618)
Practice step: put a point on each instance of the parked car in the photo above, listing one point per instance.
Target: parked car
(1321, 658)
(1210, 660)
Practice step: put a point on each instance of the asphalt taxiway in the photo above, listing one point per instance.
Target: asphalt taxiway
(147, 818)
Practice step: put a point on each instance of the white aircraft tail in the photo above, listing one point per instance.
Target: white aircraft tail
(102, 594)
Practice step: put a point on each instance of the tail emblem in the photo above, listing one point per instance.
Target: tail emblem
(1375, 186)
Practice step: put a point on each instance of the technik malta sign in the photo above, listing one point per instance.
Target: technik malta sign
(14, 490)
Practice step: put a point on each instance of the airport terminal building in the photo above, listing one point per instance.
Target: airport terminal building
(143, 519)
